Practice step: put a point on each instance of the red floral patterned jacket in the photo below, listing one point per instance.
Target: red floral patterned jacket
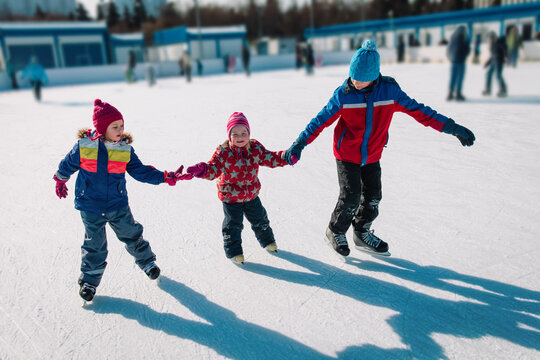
(237, 170)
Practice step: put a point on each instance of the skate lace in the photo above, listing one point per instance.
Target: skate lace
(89, 287)
(341, 240)
(149, 267)
(370, 238)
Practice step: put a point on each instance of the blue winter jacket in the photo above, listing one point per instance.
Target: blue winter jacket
(101, 182)
(35, 72)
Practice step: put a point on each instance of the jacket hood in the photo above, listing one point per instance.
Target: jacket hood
(82, 133)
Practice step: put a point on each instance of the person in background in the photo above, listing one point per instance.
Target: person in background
(495, 64)
(309, 59)
(102, 157)
(513, 44)
(401, 50)
(37, 75)
(186, 65)
(363, 107)
(11, 73)
(245, 59)
(130, 70)
(457, 51)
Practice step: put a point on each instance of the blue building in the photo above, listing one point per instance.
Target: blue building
(208, 43)
(55, 44)
(428, 30)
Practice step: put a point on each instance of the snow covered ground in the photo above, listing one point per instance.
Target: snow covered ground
(462, 223)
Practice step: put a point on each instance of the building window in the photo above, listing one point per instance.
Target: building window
(82, 54)
(21, 54)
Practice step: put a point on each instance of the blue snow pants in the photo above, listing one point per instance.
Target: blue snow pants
(233, 225)
(94, 249)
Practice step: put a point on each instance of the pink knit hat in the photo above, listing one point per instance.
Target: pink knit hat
(104, 115)
(237, 118)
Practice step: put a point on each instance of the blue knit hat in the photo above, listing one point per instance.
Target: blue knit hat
(365, 64)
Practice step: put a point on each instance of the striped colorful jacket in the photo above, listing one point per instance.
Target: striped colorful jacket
(364, 117)
(101, 182)
(237, 170)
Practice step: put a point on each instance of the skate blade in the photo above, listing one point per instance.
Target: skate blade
(371, 252)
(86, 303)
(272, 252)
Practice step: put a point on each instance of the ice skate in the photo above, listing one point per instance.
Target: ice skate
(152, 270)
(87, 291)
(338, 242)
(238, 259)
(368, 242)
(271, 248)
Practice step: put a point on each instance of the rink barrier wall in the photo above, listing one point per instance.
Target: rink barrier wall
(115, 73)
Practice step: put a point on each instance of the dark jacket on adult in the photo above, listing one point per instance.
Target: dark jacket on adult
(459, 47)
(498, 50)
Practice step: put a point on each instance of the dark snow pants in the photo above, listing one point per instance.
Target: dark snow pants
(360, 192)
(233, 225)
(94, 249)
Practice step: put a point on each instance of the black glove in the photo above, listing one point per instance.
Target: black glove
(295, 149)
(464, 135)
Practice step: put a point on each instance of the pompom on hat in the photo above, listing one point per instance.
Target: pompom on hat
(104, 115)
(365, 64)
(237, 118)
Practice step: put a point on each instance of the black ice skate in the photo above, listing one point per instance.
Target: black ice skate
(87, 291)
(338, 242)
(152, 270)
(367, 241)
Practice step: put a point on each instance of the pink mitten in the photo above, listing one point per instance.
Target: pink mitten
(294, 159)
(198, 170)
(61, 188)
(179, 176)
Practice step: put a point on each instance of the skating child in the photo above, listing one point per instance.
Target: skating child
(102, 158)
(363, 107)
(236, 165)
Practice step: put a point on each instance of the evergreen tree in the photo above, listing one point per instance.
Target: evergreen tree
(139, 14)
(81, 13)
(99, 13)
(39, 15)
(112, 16)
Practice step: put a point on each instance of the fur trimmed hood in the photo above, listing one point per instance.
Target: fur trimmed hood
(84, 133)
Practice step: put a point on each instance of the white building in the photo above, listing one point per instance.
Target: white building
(28, 7)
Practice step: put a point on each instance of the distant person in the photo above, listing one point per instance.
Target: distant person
(309, 59)
(477, 42)
(130, 70)
(37, 75)
(200, 67)
(457, 51)
(186, 65)
(363, 107)
(513, 44)
(231, 63)
(235, 164)
(498, 54)
(246, 58)
(298, 53)
(401, 50)
(150, 75)
(11, 73)
(102, 157)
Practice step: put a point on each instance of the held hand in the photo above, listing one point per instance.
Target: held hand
(464, 135)
(198, 170)
(179, 176)
(61, 188)
(170, 178)
(294, 159)
(295, 150)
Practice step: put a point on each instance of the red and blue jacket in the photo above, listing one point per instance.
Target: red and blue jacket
(102, 165)
(364, 117)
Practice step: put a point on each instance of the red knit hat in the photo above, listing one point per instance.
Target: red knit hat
(237, 118)
(104, 115)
